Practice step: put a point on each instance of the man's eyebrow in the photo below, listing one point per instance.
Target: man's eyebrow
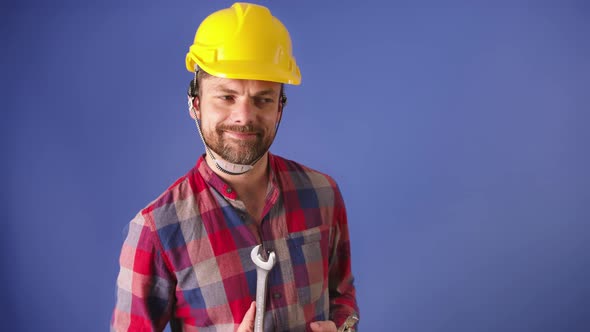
(225, 90)
(265, 92)
(269, 91)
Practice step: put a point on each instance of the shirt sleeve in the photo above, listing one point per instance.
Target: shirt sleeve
(341, 281)
(145, 285)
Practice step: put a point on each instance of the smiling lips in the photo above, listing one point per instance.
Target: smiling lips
(241, 135)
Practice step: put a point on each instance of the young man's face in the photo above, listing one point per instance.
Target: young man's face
(238, 117)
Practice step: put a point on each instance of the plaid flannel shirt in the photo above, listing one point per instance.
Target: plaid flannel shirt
(186, 258)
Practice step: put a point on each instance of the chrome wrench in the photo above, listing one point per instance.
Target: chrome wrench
(262, 269)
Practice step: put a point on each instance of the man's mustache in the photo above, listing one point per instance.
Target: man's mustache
(241, 129)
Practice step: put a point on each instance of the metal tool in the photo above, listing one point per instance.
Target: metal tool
(349, 323)
(262, 269)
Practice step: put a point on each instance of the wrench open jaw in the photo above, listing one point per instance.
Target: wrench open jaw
(259, 261)
(262, 269)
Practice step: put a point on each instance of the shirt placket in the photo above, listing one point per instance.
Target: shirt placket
(273, 229)
(265, 234)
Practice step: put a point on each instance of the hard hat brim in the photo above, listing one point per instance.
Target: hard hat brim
(247, 71)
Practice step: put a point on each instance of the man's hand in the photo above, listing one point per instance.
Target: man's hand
(323, 326)
(247, 324)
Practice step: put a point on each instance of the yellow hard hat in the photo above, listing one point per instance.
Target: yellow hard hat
(244, 42)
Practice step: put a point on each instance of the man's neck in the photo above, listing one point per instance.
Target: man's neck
(250, 186)
(254, 180)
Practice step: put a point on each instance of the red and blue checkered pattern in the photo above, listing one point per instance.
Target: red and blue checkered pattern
(186, 257)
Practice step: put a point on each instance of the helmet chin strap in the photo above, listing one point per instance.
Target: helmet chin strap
(221, 164)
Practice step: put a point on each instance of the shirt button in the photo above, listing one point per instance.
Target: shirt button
(228, 190)
(277, 295)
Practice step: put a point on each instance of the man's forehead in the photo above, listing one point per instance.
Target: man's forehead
(214, 83)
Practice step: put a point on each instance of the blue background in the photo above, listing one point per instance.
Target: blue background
(457, 132)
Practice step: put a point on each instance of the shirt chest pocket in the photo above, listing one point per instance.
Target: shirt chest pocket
(309, 256)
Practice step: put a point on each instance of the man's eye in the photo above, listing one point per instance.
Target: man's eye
(261, 100)
(226, 98)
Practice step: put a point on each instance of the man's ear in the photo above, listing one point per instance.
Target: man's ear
(194, 109)
(282, 104)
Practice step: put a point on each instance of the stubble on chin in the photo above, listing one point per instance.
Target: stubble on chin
(235, 151)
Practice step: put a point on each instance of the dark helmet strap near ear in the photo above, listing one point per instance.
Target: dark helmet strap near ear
(193, 87)
(282, 98)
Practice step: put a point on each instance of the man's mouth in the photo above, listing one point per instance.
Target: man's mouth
(241, 134)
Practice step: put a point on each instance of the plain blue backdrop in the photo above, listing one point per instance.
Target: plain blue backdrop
(458, 133)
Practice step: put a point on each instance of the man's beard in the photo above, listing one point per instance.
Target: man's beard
(243, 152)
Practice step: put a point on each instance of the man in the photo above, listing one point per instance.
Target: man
(186, 259)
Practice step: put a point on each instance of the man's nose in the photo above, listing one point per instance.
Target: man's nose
(243, 112)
